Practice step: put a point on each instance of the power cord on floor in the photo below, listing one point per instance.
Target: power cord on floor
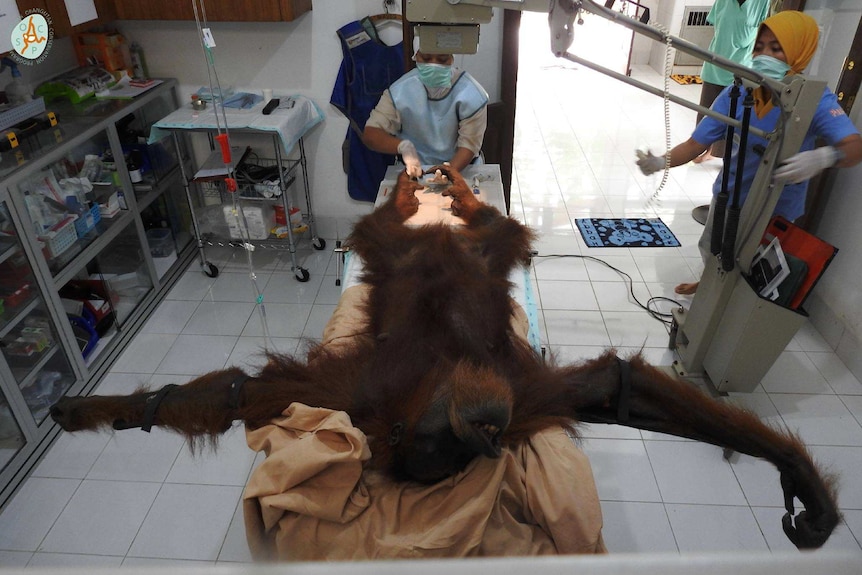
(666, 318)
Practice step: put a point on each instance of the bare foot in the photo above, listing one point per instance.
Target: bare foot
(686, 289)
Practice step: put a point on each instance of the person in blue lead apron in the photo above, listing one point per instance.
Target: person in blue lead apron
(433, 114)
(785, 45)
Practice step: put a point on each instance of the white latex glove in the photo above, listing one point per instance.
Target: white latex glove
(411, 158)
(805, 165)
(648, 163)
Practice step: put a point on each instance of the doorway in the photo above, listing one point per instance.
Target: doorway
(596, 39)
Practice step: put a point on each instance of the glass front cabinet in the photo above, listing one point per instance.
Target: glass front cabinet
(94, 229)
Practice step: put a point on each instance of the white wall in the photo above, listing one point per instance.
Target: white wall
(836, 303)
(292, 57)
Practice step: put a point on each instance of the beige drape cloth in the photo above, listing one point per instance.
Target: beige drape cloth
(311, 499)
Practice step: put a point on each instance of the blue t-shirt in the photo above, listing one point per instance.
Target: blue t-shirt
(829, 123)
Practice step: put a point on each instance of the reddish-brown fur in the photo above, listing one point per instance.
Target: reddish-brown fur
(444, 379)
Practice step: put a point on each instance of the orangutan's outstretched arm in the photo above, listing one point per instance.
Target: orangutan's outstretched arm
(207, 406)
(658, 402)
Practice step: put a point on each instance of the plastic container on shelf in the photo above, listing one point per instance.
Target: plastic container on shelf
(161, 242)
(17, 91)
(61, 236)
(87, 221)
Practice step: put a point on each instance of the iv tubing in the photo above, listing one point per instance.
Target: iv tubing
(223, 139)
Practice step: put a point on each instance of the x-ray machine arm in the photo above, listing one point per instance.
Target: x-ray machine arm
(733, 356)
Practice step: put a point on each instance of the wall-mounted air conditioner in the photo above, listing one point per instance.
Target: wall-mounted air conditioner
(696, 30)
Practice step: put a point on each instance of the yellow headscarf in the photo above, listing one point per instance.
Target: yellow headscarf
(797, 33)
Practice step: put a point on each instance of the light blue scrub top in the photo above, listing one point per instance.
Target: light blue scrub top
(432, 125)
(830, 123)
(735, 32)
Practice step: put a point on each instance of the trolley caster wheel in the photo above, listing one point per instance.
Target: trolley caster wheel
(301, 274)
(318, 243)
(209, 269)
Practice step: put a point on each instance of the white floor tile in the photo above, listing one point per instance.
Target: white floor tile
(133, 455)
(31, 513)
(170, 316)
(144, 353)
(283, 287)
(692, 472)
(599, 272)
(72, 560)
(187, 522)
(853, 520)
(193, 285)
(249, 352)
(121, 383)
(576, 328)
(564, 354)
(12, 559)
(329, 293)
(197, 354)
(219, 318)
(112, 512)
(607, 431)
(819, 419)
(621, 469)
(282, 319)
(561, 268)
(236, 286)
(840, 379)
(854, 404)
(570, 295)
(635, 329)
(769, 520)
(235, 547)
(228, 464)
(633, 527)
(617, 296)
(317, 320)
(759, 479)
(846, 464)
(706, 528)
(72, 455)
(165, 564)
(794, 372)
(810, 340)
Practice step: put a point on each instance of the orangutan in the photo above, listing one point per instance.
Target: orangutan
(444, 378)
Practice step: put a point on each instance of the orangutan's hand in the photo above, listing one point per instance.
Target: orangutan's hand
(404, 195)
(464, 203)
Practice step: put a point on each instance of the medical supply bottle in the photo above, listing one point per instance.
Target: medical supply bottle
(17, 91)
(139, 63)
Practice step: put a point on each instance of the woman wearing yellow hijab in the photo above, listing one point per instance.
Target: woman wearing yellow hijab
(785, 45)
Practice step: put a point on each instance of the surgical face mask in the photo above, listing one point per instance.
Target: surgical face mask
(770, 67)
(435, 75)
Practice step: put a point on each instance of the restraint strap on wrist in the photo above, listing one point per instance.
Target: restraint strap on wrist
(153, 401)
(236, 389)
